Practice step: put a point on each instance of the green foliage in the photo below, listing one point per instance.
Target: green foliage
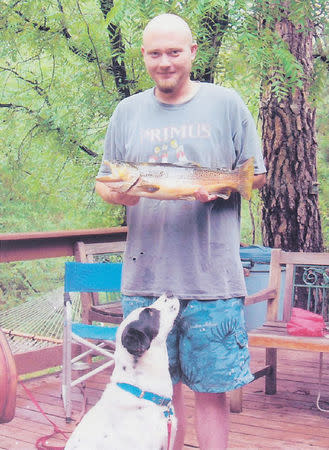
(323, 177)
(251, 213)
(25, 279)
(323, 163)
(59, 102)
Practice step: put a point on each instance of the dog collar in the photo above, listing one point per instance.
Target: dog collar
(137, 392)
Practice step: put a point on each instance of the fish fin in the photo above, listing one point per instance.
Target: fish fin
(150, 188)
(104, 178)
(186, 197)
(224, 194)
(132, 185)
(246, 178)
(189, 164)
(108, 178)
(181, 164)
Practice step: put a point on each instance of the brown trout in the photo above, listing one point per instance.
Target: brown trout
(166, 181)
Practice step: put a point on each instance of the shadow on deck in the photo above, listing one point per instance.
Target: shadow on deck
(287, 420)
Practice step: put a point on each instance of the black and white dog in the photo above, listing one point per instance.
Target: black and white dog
(135, 410)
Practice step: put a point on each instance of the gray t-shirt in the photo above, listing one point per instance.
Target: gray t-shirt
(186, 247)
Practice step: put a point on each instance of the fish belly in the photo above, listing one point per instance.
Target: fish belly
(165, 190)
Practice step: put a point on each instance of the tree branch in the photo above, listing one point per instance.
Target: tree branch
(88, 56)
(213, 25)
(41, 120)
(84, 148)
(118, 67)
(92, 43)
(13, 106)
(34, 84)
(35, 25)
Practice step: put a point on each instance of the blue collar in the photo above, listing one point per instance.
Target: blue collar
(137, 392)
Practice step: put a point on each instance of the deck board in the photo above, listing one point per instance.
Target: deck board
(288, 420)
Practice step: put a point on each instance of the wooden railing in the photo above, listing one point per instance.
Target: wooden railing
(41, 245)
(52, 244)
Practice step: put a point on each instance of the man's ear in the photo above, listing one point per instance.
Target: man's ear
(194, 48)
(143, 50)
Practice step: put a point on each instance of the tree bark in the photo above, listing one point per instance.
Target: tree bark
(291, 218)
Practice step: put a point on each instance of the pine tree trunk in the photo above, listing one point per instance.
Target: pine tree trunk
(291, 219)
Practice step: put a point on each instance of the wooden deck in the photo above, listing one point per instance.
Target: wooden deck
(287, 420)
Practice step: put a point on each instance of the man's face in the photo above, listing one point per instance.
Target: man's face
(168, 57)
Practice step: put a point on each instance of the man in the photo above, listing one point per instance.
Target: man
(189, 248)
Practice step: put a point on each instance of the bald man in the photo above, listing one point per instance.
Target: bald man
(189, 248)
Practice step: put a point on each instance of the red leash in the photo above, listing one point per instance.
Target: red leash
(169, 423)
(41, 443)
(168, 413)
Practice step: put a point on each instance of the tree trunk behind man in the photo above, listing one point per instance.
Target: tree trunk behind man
(291, 218)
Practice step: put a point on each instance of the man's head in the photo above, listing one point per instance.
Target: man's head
(168, 50)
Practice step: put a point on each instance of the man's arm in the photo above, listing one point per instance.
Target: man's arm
(116, 198)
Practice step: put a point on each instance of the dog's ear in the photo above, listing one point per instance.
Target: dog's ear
(138, 335)
(135, 341)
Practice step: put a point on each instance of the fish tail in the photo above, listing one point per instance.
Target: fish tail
(246, 177)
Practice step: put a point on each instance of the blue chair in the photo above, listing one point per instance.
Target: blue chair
(86, 277)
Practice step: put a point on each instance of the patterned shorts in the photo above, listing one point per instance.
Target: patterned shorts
(208, 345)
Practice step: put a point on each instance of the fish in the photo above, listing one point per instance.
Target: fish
(167, 181)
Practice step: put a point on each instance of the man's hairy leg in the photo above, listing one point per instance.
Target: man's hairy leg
(212, 420)
(178, 402)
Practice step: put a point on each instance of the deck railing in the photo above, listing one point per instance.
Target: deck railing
(41, 245)
(52, 244)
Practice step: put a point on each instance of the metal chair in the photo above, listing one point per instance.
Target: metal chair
(86, 277)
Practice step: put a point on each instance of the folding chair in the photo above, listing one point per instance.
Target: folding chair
(86, 277)
(96, 252)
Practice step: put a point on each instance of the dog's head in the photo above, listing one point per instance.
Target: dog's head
(145, 325)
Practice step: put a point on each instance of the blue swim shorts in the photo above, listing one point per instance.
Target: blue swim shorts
(208, 345)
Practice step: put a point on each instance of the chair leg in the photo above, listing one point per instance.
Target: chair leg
(270, 379)
(236, 401)
(67, 356)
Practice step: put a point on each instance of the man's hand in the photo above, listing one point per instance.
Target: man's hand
(259, 181)
(124, 199)
(116, 198)
(203, 196)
